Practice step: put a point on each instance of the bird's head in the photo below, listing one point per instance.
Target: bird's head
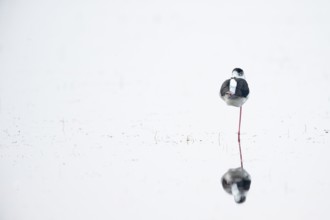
(238, 73)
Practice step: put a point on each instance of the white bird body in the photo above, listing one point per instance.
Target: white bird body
(233, 100)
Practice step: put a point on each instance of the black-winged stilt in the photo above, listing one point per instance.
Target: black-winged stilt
(235, 92)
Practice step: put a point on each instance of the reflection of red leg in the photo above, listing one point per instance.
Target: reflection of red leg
(239, 136)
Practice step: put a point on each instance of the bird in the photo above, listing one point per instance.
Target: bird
(235, 91)
(237, 181)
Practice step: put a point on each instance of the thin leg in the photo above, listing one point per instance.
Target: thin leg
(239, 136)
(239, 124)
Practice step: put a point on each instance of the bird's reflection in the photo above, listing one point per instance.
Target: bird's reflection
(237, 182)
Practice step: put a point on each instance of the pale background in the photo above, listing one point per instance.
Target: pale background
(109, 109)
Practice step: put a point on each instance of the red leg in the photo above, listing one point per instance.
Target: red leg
(239, 136)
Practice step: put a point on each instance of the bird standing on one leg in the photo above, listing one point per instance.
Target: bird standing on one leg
(235, 92)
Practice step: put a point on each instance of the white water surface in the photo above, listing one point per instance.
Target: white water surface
(110, 109)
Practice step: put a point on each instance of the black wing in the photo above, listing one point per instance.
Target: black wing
(242, 88)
